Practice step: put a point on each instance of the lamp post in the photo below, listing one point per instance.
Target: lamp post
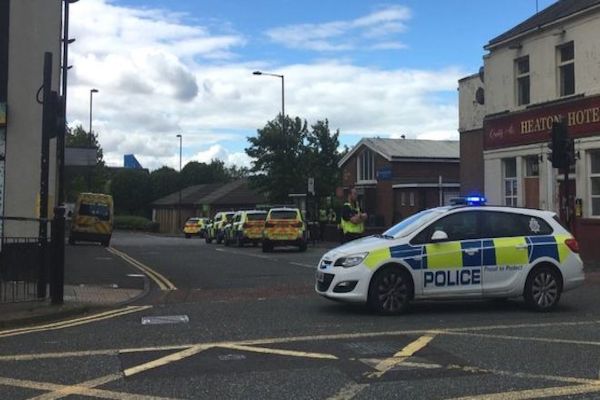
(90, 136)
(180, 181)
(282, 95)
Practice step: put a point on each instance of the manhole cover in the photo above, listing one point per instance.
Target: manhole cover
(166, 319)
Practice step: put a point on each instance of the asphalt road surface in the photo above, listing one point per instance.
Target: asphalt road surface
(234, 323)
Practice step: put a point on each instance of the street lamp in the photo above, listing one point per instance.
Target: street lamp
(282, 95)
(92, 91)
(90, 138)
(180, 181)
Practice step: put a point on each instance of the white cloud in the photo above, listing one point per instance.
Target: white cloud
(371, 31)
(156, 79)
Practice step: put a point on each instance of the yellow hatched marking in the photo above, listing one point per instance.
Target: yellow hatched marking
(281, 352)
(349, 391)
(159, 362)
(536, 393)
(444, 255)
(401, 356)
(508, 251)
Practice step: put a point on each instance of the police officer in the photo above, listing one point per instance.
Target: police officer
(322, 223)
(353, 221)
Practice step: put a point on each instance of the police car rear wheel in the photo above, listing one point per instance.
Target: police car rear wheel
(543, 289)
(390, 292)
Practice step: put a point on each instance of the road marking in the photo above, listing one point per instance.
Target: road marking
(74, 322)
(238, 253)
(162, 282)
(280, 352)
(303, 265)
(84, 391)
(159, 362)
(349, 391)
(80, 388)
(401, 356)
(524, 338)
(536, 393)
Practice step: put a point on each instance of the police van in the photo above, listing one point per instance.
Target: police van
(463, 251)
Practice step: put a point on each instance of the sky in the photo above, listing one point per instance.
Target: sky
(372, 68)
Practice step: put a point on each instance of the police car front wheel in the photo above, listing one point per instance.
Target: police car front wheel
(391, 291)
(543, 289)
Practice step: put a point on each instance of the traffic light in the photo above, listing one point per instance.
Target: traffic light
(559, 145)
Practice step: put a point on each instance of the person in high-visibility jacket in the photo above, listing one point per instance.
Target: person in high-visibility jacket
(353, 220)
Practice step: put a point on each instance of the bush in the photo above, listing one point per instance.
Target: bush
(133, 223)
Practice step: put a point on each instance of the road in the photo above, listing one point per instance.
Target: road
(239, 324)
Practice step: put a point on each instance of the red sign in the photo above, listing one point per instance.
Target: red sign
(533, 126)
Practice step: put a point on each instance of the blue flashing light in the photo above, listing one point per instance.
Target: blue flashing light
(469, 201)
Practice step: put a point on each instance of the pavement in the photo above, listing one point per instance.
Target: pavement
(236, 323)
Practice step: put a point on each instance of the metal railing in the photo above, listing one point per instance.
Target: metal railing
(25, 257)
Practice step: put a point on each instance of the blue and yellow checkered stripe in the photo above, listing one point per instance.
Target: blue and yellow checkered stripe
(474, 253)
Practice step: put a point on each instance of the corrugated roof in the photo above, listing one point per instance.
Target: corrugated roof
(558, 10)
(233, 193)
(414, 148)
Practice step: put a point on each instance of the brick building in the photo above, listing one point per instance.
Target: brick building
(542, 70)
(396, 178)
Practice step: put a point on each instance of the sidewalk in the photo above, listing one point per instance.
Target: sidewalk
(94, 280)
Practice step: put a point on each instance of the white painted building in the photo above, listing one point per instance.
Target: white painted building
(545, 68)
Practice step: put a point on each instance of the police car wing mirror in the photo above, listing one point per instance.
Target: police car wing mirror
(439, 236)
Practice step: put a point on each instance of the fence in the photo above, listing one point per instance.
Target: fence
(25, 256)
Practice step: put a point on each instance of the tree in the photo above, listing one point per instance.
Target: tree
(198, 173)
(81, 179)
(163, 181)
(131, 191)
(278, 158)
(322, 157)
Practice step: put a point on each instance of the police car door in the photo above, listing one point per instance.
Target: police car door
(510, 239)
(451, 266)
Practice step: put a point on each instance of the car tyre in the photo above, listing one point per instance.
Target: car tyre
(390, 291)
(543, 289)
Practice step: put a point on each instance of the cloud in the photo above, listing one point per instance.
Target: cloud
(365, 32)
(159, 82)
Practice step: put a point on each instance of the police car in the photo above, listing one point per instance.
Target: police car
(464, 251)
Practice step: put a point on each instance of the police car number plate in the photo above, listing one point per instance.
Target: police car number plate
(320, 276)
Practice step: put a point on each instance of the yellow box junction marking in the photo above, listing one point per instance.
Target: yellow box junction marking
(162, 282)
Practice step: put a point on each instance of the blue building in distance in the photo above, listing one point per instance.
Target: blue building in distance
(129, 161)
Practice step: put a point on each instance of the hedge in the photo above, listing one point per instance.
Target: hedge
(134, 223)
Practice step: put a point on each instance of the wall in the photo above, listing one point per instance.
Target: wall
(541, 48)
(471, 162)
(470, 113)
(35, 27)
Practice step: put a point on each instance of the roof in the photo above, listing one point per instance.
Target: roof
(559, 10)
(407, 149)
(189, 195)
(237, 192)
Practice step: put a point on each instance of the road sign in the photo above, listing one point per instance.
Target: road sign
(311, 186)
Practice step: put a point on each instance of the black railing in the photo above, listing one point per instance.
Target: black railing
(24, 260)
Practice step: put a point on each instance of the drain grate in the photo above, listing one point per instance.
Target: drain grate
(165, 319)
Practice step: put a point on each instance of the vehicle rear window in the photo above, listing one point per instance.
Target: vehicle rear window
(284, 214)
(257, 217)
(100, 211)
(503, 224)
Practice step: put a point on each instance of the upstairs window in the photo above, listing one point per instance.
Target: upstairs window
(522, 80)
(366, 166)
(566, 69)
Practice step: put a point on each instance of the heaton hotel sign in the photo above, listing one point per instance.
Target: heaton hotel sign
(533, 126)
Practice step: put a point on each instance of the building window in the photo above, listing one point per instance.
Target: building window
(522, 80)
(595, 182)
(510, 181)
(532, 166)
(402, 198)
(366, 166)
(566, 68)
(412, 199)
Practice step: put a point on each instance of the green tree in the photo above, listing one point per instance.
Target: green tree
(132, 192)
(278, 158)
(322, 157)
(163, 181)
(235, 172)
(197, 173)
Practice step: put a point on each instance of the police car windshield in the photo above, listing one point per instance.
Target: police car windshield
(411, 223)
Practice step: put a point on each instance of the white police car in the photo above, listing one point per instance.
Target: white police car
(456, 252)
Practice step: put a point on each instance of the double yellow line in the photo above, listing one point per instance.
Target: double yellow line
(74, 322)
(162, 282)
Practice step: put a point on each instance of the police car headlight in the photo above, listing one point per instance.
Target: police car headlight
(350, 261)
